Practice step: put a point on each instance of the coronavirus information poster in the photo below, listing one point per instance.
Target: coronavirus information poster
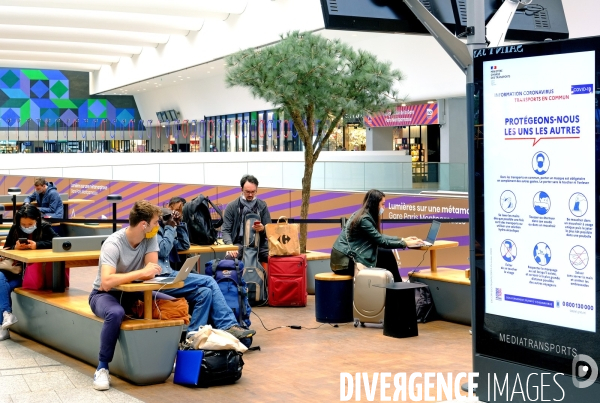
(539, 153)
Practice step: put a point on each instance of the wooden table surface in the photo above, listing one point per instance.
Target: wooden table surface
(208, 249)
(46, 255)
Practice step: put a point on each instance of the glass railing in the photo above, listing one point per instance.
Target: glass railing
(386, 176)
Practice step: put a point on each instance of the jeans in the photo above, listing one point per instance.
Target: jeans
(206, 302)
(110, 307)
(8, 282)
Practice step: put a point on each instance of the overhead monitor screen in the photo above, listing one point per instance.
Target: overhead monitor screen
(536, 154)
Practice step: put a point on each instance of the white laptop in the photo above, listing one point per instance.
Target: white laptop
(186, 269)
(431, 236)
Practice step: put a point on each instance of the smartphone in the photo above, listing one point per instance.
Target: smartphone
(256, 222)
(23, 240)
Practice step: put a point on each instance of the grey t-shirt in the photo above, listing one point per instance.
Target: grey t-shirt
(117, 252)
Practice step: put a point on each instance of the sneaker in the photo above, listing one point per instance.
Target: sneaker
(240, 333)
(8, 320)
(101, 379)
(4, 334)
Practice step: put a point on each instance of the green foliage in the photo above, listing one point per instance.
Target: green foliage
(314, 80)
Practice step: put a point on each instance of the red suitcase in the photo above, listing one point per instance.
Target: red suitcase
(287, 280)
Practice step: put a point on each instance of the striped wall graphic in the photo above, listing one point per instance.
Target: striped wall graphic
(408, 115)
(281, 202)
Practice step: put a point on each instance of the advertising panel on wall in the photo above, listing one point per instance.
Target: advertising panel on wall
(281, 202)
(536, 251)
(408, 115)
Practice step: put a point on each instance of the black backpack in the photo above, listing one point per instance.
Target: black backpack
(201, 227)
(424, 303)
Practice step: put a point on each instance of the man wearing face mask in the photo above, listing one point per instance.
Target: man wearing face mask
(235, 213)
(47, 198)
(127, 255)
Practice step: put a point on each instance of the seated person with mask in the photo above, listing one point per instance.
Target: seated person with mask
(47, 198)
(202, 293)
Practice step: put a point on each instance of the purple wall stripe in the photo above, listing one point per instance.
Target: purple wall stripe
(274, 193)
(324, 232)
(229, 192)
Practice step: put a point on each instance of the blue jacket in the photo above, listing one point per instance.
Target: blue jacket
(170, 241)
(51, 205)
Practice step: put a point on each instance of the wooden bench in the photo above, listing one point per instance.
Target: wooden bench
(64, 321)
(451, 293)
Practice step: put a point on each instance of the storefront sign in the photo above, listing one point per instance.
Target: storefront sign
(409, 115)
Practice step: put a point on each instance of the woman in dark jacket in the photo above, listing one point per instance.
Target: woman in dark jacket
(361, 240)
(39, 235)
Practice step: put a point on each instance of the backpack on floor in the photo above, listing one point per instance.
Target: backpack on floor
(197, 216)
(424, 303)
(228, 275)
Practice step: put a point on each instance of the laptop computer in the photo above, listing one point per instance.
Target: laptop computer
(431, 235)
(185, 270)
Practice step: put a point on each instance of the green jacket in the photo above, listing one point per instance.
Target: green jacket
(362, 243)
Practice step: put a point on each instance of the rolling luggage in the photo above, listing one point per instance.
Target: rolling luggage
(287, 280)
(369, 300)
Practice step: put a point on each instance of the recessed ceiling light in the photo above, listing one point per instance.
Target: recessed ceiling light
(174, 81)
(430, 102)
(208, 71)
(403, 104)
(144, 89)
(212, 67)
(187, 77)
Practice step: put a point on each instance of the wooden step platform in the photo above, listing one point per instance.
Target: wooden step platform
(145, 351)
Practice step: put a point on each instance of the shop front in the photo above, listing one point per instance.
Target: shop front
(411, 129)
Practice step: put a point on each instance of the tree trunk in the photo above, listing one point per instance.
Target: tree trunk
(309, 162)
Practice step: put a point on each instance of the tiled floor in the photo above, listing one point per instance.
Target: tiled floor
(292, 366)
(27, 376)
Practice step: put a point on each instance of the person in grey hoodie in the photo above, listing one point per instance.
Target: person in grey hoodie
(47, 198)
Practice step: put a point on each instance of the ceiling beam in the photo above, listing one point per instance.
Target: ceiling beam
(47, 17)
(37, 64)
(83, 35)
(218, 9)
(58, 57)
(69, 47)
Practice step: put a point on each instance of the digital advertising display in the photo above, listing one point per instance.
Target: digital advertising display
(535, 155)
(540, 232)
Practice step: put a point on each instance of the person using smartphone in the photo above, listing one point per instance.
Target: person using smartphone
(233, 227)
(29, 232)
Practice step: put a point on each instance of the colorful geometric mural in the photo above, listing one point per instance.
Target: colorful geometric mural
(51, 98)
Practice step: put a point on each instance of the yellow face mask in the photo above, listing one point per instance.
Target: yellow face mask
(152, 233)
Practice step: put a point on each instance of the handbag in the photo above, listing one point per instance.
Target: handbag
(283, 238)
(9, 265)
(338, 261)
(38, 276)
(207, 338)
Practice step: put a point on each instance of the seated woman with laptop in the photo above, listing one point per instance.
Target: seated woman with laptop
(361, 242)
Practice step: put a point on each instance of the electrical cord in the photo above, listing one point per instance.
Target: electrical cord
(296, 327)
(410, 273)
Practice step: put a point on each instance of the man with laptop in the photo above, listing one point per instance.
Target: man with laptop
(127, 255)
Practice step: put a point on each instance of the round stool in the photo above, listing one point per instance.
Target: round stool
(333, 298)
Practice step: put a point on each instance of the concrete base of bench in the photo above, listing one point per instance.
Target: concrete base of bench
(451, 293)
(145, 352)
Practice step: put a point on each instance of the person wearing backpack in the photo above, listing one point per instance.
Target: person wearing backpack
(202, 293)
(233, 228)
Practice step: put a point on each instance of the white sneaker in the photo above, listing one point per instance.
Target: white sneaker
(8, 320)
(4, 334)
(101, 379)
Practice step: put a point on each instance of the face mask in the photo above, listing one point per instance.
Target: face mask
(381, 210)
(152, 233)
(29, 230)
